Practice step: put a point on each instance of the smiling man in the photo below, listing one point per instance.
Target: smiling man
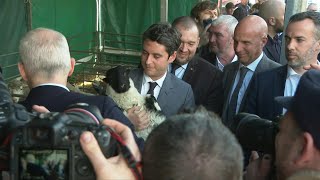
(160, 44)
(204, 78)
(250, 37)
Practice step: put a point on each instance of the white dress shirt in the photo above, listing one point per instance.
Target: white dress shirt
(221, 66)
(145, 85)
(292, 81)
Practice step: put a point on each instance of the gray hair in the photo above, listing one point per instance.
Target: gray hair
(192, 146)
(45, 52)
(230, 21)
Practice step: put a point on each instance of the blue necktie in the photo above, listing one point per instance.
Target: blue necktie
(234, 97)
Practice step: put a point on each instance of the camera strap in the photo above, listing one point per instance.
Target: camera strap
(125, 151)
(4, 155)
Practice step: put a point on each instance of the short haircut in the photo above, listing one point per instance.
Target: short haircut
(164, 34)
(229, 5)
(186, 22)
(270, 9)
(192, 146)
(230, 21)
(313, 16)
(44, 52)
(202, 6)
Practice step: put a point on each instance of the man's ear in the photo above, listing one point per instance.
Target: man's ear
(172, 57)
(22, 71)
(264, 40)
(271, 21)
(73, 63)
(307, 152)
(318, 45)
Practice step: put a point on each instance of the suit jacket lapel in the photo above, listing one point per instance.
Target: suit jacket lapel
(229, 80)
(191, 68)
(280, 79)
(231, 77)
(260, 67)
(137, 76)
(165, 90)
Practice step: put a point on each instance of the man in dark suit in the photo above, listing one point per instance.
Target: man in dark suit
(45, 65)
(204, 78)
(283, 81)
(273, 13)
(250, 37)
(219, 51)
(221, 41)
(160, 44)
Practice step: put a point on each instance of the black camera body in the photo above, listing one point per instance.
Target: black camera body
(48, 147)
(255, 133)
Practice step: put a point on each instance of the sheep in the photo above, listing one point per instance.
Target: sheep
(120, 87)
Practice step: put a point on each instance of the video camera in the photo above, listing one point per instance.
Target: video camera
(46, 145)
(255, 133)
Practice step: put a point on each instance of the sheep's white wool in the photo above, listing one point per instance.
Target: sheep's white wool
(132, 98)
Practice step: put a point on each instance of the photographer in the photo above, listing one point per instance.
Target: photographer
(114, 167)
(45, 65)
(298, 140)
(185, 146)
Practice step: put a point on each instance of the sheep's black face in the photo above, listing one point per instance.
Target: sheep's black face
(118, 79)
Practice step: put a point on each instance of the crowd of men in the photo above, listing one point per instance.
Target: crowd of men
(236, 70)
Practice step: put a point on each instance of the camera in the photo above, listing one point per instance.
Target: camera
(255, 133)
(46, 145)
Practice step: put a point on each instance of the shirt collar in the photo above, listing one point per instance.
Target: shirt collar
(54, 84)
(147, 79)
(185, 66)
(291, 72)
(235, 58)
(221, 66)
(254, 64)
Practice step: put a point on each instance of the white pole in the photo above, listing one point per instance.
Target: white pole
(164, 11)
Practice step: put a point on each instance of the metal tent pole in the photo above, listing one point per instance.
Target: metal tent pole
(99, 31)
(164, 10)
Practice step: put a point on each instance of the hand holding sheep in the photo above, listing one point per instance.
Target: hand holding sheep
(139, 117)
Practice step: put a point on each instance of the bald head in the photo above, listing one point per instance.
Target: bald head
(250, 37)
(273, 13)
(272, 8)
(253, 24)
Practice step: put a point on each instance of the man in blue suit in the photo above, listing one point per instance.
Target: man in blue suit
(250, 36)
(301, 49)
(45, 65)
(160, 44)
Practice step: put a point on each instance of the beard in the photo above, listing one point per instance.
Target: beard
(296, 63)
(302, 60)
